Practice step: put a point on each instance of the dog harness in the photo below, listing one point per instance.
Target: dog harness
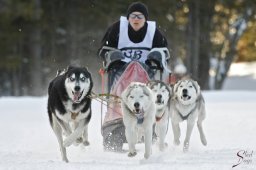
(159, 118)
(186, 117)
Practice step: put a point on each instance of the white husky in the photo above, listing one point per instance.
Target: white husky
(138, 114)
(187, 104)
(162, 94)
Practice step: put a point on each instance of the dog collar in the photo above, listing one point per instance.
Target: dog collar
(74, 115)
(140, 118)
(159, 118)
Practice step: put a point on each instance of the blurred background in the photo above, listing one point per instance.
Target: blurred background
(38, 37)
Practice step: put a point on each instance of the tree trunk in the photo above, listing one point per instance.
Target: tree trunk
(193, 38)
(36, 54)
(233, 40)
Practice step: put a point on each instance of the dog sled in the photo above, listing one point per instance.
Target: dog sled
(119, 74)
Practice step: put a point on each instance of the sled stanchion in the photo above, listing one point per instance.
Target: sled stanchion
(101, 72)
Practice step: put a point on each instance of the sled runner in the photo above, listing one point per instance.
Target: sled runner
(122, 68)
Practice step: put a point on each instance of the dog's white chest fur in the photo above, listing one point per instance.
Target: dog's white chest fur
(184, 110)
(72, 114)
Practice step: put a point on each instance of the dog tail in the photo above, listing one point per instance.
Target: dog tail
(49, 110)
(50, 115)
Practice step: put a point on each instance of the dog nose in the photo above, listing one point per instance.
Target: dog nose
(136, 105)
(77, 88)
(159, 96)
(185, 91)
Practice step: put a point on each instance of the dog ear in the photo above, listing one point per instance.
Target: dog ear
(70, 67)
(169, 88)
(197, 87)
(147, 91)
(149, 83)
(86, 68)
(176, 85)
(125, 93)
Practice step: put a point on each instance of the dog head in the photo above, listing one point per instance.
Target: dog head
(78, 83)
(137, 97)
(161, 93)
(186, 91)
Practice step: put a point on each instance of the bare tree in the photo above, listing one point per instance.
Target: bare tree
(229, 46)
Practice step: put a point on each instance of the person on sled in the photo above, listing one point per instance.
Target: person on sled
(132, 49)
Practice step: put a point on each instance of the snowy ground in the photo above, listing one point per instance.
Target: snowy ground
(28, 142)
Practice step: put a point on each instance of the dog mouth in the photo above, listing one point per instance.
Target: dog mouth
(139, 114)
(185, 97)
(77, 95)
(137, 111)
(159, 102)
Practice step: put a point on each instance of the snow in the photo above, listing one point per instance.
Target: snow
(241, 76)
(28, 142)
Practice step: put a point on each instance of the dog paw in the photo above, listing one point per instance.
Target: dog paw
(177, 142)
(79, 140)
(65, 160)
(163, 147)
(204, 142)
(185, 147)
(86, 143)
(130, 154)
(146, 155)
(67, 143)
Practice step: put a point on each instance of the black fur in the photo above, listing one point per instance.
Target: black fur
(57, 93)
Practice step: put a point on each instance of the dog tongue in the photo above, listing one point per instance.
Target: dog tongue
(76, 96)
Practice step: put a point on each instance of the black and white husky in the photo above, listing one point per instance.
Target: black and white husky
(162, 94)
(69, 107)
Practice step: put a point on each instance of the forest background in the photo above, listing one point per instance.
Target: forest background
(38, 37)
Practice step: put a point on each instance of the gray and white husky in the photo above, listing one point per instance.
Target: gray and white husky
(187, 104)
(69, 107)
(162, 94)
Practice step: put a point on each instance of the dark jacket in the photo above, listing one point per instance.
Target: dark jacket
(112, 35)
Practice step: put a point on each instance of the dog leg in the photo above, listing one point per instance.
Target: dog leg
(76, 134)
(79, 140)
(190, 126)
(176, 132)
(148, 142)
(85, 136)
(201, 132)
(131, 138)
(162, 133)
(58, 132)
(65, 127)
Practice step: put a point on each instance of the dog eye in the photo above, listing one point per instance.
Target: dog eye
(71, 79)
(131, 97)
(190, 86)
(181, 86)
(82, 79)
(141, 96)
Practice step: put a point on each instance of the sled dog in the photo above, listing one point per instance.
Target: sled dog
(187, 104)
(69, 107)
(162, 94)
(138, 115)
